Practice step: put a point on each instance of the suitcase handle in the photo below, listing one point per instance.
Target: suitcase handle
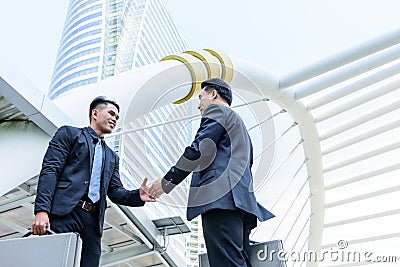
(48, 231)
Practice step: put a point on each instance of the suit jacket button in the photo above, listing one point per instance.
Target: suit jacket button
(86, 182)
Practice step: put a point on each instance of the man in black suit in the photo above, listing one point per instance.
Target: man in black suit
(79, 170)
(221, 189)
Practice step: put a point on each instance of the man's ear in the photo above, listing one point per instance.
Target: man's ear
(95, 112)
(214, 94)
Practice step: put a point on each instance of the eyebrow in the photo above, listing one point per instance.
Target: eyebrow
(113, 113)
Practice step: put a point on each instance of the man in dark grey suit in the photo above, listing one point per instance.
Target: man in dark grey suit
(221, 189)
(79, 170)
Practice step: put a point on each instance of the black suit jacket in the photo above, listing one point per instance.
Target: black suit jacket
(65, 175)
(221, 157)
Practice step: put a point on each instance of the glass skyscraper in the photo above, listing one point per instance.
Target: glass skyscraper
(102, 38)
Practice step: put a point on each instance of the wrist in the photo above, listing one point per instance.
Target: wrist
(167, 185)
(39, 212)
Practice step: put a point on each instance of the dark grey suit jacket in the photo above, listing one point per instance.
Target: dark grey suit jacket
(221, 157)
(65, 175)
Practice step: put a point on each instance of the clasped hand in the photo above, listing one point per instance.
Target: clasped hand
(156, 190)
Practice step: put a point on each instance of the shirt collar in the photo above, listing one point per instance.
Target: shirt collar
(94, 135)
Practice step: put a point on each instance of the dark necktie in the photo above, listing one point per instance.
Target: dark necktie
(94, 187)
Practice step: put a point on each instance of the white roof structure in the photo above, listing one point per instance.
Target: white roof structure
(346, 110)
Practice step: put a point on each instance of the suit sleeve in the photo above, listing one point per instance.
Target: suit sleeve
(118, 194)
(53, 164)
(201, 152)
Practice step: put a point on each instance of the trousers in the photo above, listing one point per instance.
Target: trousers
(85, 224)
(226, 233)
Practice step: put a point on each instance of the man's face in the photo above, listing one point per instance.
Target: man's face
(105, 119)
(205, 98)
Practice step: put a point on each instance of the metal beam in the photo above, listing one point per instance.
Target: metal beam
(364, 176)
(363, 218)
(355, 86)
(338, 60)
(362, 197)
(349, 124)
(30, 100)
(346, 105)
(125, 232)
(364, 240)
(362, 156)
(13, 226)
(348, 71)
(15, 202)
(358, 137)
(123, 255)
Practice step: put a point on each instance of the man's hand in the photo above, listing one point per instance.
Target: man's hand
(144, 192)
(156, 189)
(40, 223)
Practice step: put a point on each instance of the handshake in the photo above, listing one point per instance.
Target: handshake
(152, 192)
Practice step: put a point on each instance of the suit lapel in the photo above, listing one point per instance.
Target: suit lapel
(105, 165)
(90, 147)
(104, 177)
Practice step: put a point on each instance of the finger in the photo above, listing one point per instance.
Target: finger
(144, 181)
(36, 228)
(43, 229)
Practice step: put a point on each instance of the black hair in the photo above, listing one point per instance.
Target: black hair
(224, 93)
(101, 100)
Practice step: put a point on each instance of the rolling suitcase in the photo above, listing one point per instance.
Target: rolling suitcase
(56, 250)
(263, 254)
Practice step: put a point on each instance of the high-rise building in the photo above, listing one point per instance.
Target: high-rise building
(102, 38)
(105, 37)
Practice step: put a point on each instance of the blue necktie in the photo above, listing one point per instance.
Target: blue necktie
(94, 187)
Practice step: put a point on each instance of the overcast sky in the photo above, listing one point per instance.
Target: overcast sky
(282, 35)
